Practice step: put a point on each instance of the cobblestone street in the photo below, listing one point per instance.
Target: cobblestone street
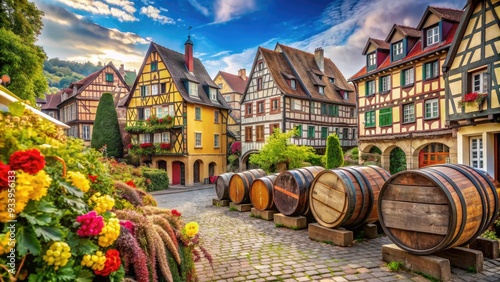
(250, 249)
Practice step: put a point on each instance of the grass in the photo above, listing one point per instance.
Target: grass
(278, 225)
(394, 265)
(471, 269)
(328, 242)
(428, 277)
(233, 208)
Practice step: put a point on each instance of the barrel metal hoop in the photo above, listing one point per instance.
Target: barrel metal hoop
(352, 196)
(385, 176)
(462, 201)
(364, 190)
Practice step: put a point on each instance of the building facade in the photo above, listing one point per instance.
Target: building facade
(188, 137)
(472, 69)
(289, 88)
(401, 92)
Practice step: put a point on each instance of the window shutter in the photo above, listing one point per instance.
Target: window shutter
(403, 78)
(140, 113)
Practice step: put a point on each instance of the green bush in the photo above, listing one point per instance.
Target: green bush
(334, 155)
(156, 179)
(106, 131)
(397, 160)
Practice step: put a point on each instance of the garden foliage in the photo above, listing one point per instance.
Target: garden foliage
(106, 130)
(334, 157)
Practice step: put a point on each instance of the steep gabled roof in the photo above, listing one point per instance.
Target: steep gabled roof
(236, 83)
(52, 101)
(452, 15)
(379, 43)
(174, 61)
(406, 31)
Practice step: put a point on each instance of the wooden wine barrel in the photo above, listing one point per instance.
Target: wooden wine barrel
(261, 192)
(240, 183)
(347, 196)
(222, 186)
(437, 207)
(291, 190)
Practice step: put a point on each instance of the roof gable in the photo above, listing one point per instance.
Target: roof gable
(452, 15)
(405, 31)
(235, 82)
(378, 43)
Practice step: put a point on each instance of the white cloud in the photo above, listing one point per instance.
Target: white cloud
(128, 6)
(125, 13)
(122, 15)
(200, 8)
(153, 13)
(220, 54)
(226, 10)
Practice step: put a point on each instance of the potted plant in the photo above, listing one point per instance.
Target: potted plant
(472, 98)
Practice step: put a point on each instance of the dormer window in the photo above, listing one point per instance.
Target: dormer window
(331, 79)
(109, 77)
(372, 59)
(432, 35)
(260, 65)
(397, 48)
(321, 89)
(293, 84)
(213, 94)
(320, 77)
(154, 66)
(193, 88)
(345, 95)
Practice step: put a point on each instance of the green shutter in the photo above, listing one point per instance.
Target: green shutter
(385, 117)
(370, 119)
(402, 78)
(380, 84)
(324, 132)
(335, 110)
(424, 66)
(310, 132)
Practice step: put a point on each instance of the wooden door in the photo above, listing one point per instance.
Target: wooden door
(176, 173)
(162, 165)
(196, 172)
(497, 157)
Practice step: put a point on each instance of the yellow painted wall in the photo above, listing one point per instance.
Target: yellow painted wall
(208, 128)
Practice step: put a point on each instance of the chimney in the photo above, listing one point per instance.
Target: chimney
(320, 58)
(75, 89)
(188, 54)
(122, 69)
(243, 74)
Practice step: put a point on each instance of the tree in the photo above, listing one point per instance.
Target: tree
(106, 131)
(278, 149)
(334, 155)
(22, 17)
(397, 160)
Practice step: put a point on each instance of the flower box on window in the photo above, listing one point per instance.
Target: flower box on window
(472, 98)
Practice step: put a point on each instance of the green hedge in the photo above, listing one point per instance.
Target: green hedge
(158, 177)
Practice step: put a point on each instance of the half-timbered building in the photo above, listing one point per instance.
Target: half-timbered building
(400, 92)
(289, 88)
(188, 137)
(472, 71)
(231, 88)
(78, 103)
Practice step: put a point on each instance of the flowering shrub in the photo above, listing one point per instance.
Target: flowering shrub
(146, 145)
(91, 224)
(165, 146)
(472, 98)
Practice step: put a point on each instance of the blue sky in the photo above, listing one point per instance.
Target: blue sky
(226, 33)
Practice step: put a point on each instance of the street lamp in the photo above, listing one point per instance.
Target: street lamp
(5, 79)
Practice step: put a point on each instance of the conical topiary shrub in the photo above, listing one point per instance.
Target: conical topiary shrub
(106, 131)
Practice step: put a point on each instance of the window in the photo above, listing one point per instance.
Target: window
(434, 153)
(385, 84)
(333, 110)
(476, 152)
(352, 112)
(324, 109)
(109, 77)
(345, 133)
(219, 85)
(408, 77)
(140, 113)
(385, 117)
(168, 111)
(397, 48)
(408, 113)
(331, 79)
(197, 113)
(259, 83)
(321, 89)
(345, 95)
(370, 119)
(432, 35)
(372, 59)
(260, 133)
(216, 141)
(370, 87)
(165, 137)
(51, 114)
(197, 138)
(431, 70)
(159, 112)
(216, 116)
(228, 98)
(274, 126)
(432, 108)
(310, 132)
(154, 66)
(248, 109)
(144, 91)
(213, 94)
(324, 132)
(353, 133)
(154, 89)
(248, 134)
(293, 84)
(69, 113)
(147, 113)
(299, 130)
(480, 82)
(275, 105)
(145, 138)
(86, 132)
(260, 65)
(193, 88)
(296, 104)
(163, 88)
(260, 107)
(157, 138)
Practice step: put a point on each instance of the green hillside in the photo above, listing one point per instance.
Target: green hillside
(61, 73)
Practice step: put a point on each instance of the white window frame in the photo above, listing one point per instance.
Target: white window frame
(321, 89)
(213, 94)
(146, 90)
(372, 59)
(476, 152)
(227, 98)
(154, 89)
(371, 87)
(145, 138)
(480, 82)
(165, 137)
(293, 84)
(147, 113)
(409, 76)
(431, 70)
(86, 132)
(433, 106)
(261, 107)
(159, 112)
(157, 138)
(197, 139)
(216, 140)
(409, 113)
(193, 89)
(216, 116)
(386, 83)
(296, 105)
(397, 48)
(432, 35)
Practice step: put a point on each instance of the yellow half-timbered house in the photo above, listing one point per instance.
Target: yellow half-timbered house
(177, 117)
(472, 69)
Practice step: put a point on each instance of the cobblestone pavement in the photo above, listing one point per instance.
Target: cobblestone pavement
(251, 249)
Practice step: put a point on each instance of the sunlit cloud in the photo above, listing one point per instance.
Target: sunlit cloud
(154, 14)
(227, 10)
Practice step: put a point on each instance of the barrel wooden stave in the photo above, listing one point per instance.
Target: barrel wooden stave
(240, 183)
(437, 207)
(222, 186)
(291, 190)
(261, 192)
(347, 196)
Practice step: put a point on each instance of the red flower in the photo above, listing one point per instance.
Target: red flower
(148, 181)
(146, 145)
(4, 176)
(30, 161)
(128, 224)
(93, 178)
(112, 263)
(175, 212)
(130, 146)
(131, 183)
(165, 146)
(160, 120)
(169, 119)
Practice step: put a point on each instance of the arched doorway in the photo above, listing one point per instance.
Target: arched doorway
(397, 160)
(162, 165)
(196, 172)
(434, 153)
(178, 173)
(211, 169)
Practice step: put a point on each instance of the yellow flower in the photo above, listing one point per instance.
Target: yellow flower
(4, 243)
(191, 229)
(79, 180)
(42, 181)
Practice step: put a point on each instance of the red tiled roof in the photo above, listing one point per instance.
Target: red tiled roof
(415, 52)
(52, 101)
(447, 13)
(381, 43)
(236, 83)
(409, 31)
